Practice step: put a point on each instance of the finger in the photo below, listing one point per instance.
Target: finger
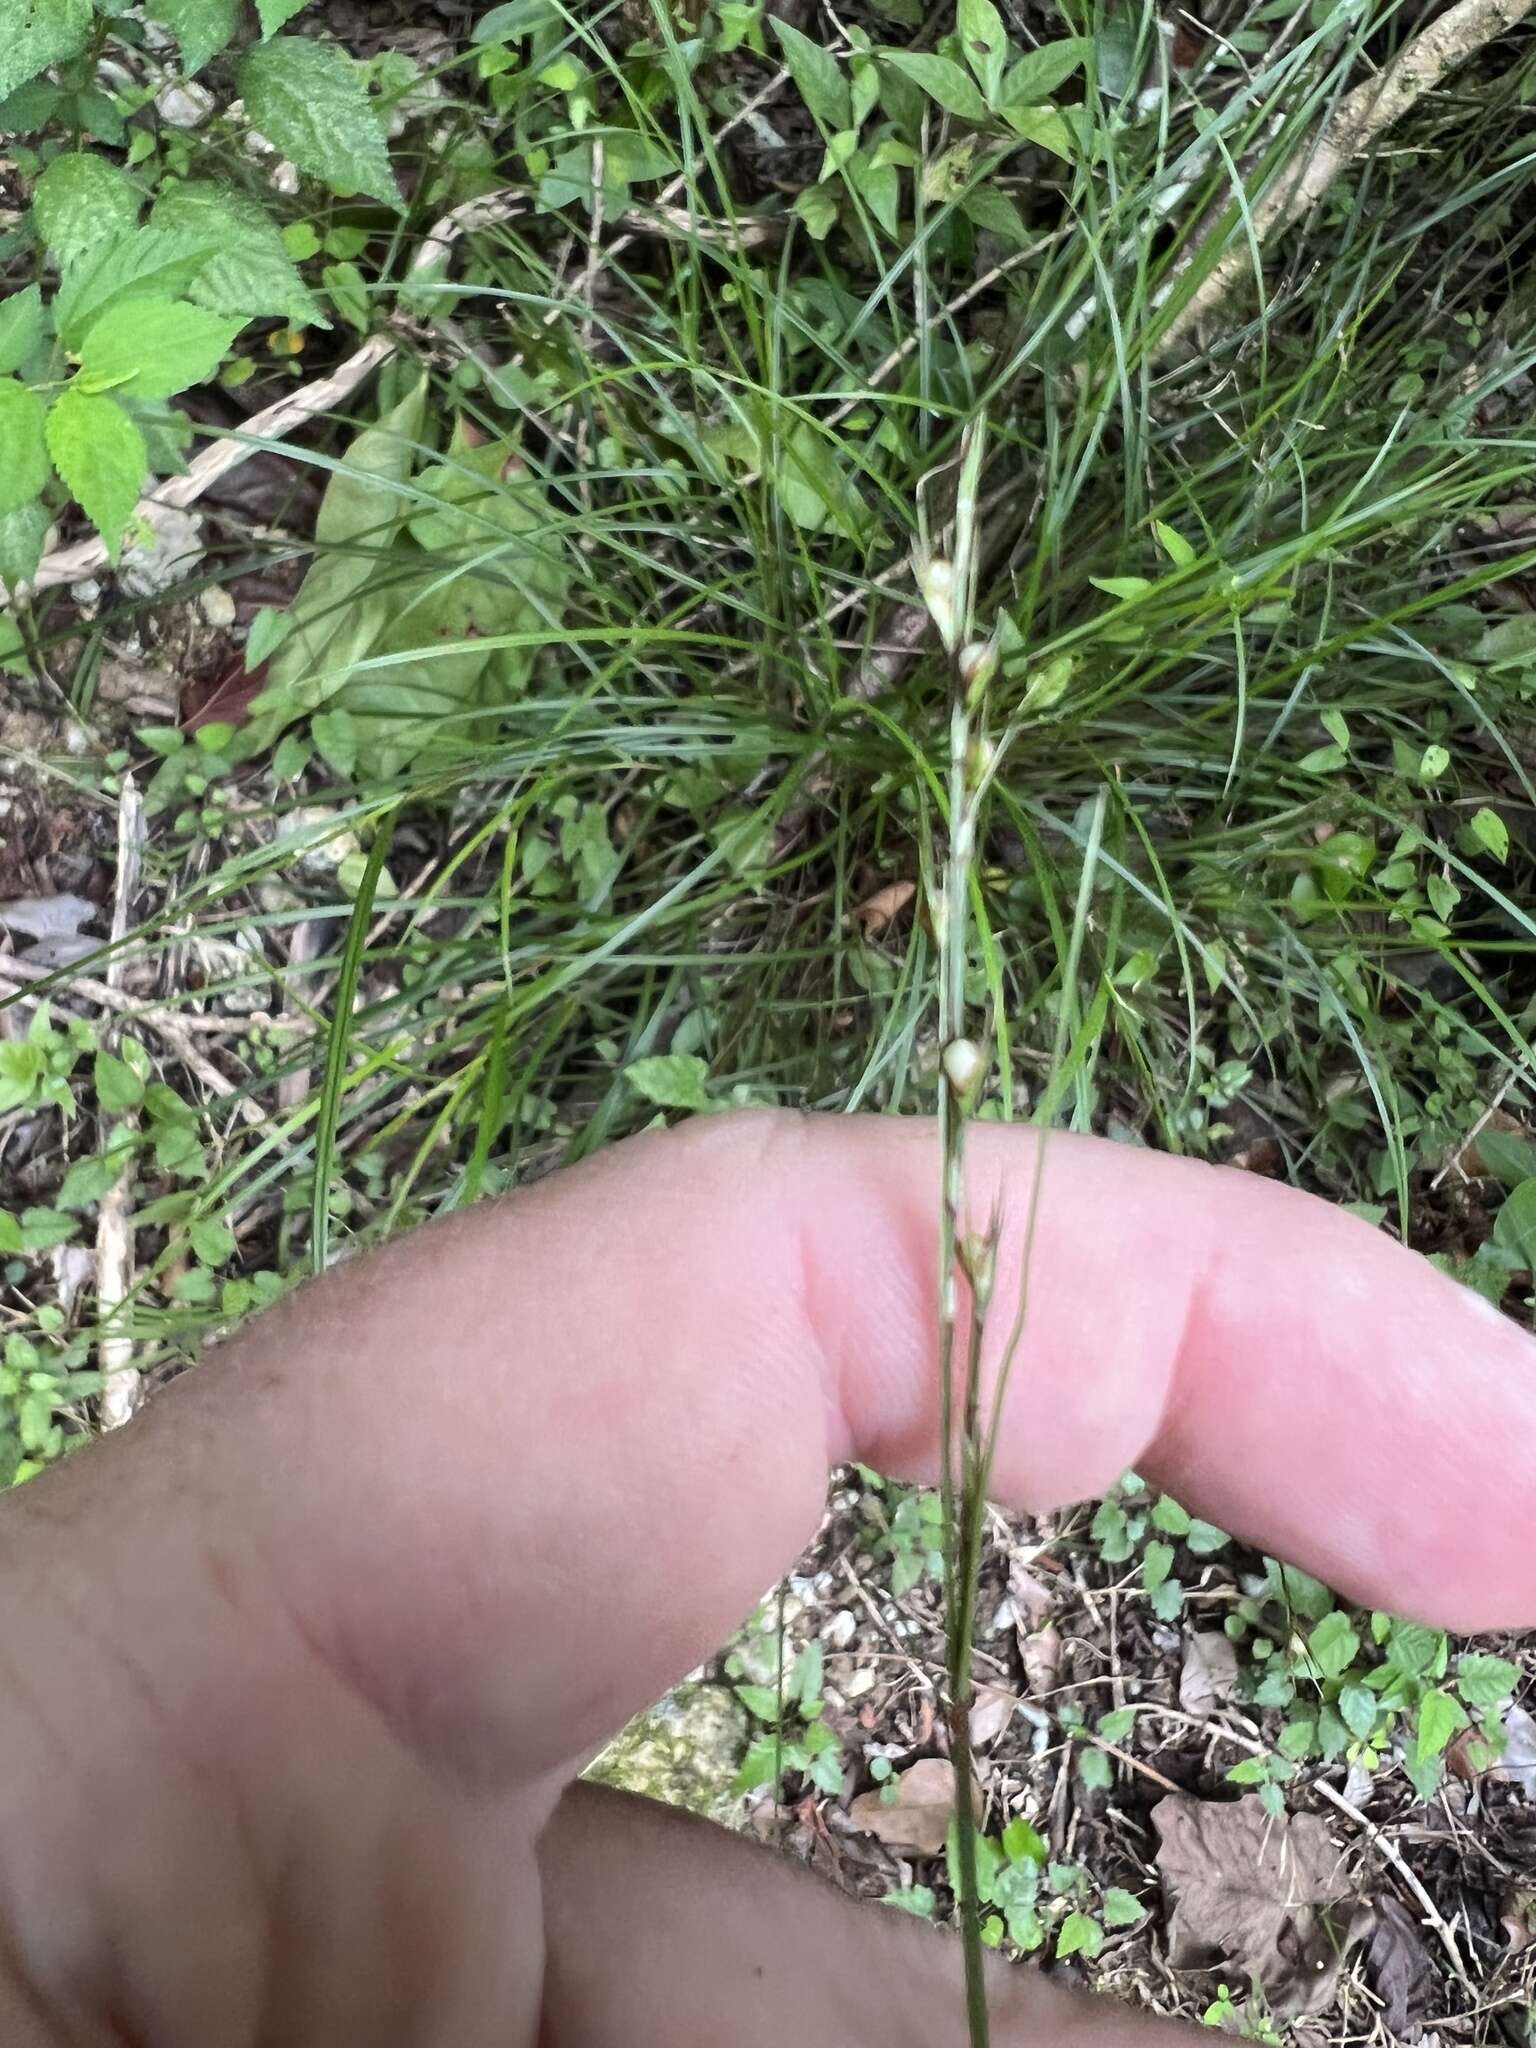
(512, 1478)
(708, 1937)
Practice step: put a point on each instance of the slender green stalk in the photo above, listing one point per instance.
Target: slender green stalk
(339, 1038)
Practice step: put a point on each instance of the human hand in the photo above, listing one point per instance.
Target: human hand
(295, 1673)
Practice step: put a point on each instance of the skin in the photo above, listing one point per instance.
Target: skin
(296, 1673)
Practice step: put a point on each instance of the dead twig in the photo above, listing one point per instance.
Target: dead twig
(1362, 115)
(114, 1219)
(107, 996)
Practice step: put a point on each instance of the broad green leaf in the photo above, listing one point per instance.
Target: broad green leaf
(1156, 1564)
(818, 76)
(276, 14)
(251, 272)
(1336, 725)
(1205, 1539)
(760, 1701)
(1512, 640)
(994, 210)
(1508, 1157)
(985, 42)
(35, 34)
(1095, 1770)
(1515, 1225)
(309, 100)
(1485, 1681)
(100, 454)
(82, 203)
(1168, 1516)
(1126, 588)
(1122, 1908)
(1490, 832)
(24, 466)
(153, 348)
(1021, 1844)
(1046, 127)
(941, 79)
(1415, 1649)
(816, 207)
(1080, 1935)
(201, 27)
(21, 327)
(1358, 1709)
(1038, 73)
(118, 1087)
(146, 264)
(1334, 1645)
(23, 536)
(1433, 763)
(672, 1080)
(812, 478)
(1441, 1715)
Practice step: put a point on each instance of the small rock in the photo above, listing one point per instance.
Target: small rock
(184, 105)
(152, 566)
(218, 607)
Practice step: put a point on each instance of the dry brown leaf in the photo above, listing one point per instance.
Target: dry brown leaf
(1042, 1660)
(1208, 1675)
(1247, 1892)
(1033, 1601)
(918, 1818)
(1397, 1965)
(887, 904)
(991, 1711)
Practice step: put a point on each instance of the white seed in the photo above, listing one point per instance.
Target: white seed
(963, 1064)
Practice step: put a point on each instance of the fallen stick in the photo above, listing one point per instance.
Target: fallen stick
(114, 1219)
(1362, 115)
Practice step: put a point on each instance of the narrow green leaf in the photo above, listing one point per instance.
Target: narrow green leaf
(941, 79)
(818, 77)
(82, 203)
(24, 466)
(101, 456)
(309, 100)
(153, 348)
(21, 327)
(1178, 550)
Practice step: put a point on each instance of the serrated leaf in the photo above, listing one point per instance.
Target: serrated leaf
(39, 33)
(147, 264)
(118, 1087)
(1485, 1681)
(1414, 1648)
(153, 348)
(985, 42)
(82, 203)
(250, 272)
(201, 27)
(24, 467)
(1441, 1716)
(1038, 73)
(21, 327)
(100, 454)
(1080, 1935)
(1333, 1645)
(941, 79)
(1122, 1908)
(276, 14)
(818, 77)
(309, 100)
(1021, 1844)
(1358, 1709)
(1168, 1516)
(672, 1080)
(23, 536)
